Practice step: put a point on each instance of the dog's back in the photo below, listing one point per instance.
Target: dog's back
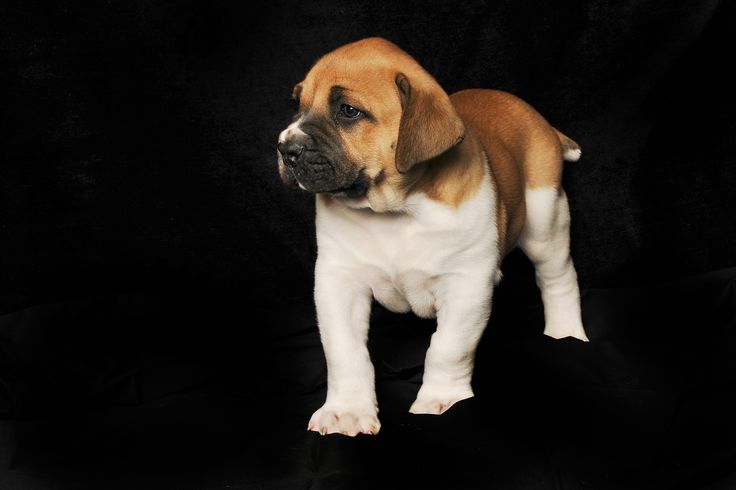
(523, 149)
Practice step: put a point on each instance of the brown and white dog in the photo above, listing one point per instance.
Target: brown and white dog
(419, 197)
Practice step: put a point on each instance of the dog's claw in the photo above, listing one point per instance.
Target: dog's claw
(436, 403)
(349, 422)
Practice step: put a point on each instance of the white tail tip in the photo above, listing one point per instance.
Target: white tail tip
(572, 155)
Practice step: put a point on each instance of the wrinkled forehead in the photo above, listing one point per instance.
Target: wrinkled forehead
(369, 85)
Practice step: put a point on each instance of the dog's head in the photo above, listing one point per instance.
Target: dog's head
(368, 114)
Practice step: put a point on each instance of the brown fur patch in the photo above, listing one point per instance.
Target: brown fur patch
(455, 175)
(523, 151)
(503, 120)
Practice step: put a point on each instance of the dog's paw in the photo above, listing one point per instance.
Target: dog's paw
(437, 402)
(563, 330)
(349, 421)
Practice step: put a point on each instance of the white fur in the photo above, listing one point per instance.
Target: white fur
(545, 239)
(430, 259)
(433, 260)
(292, 130)
(572, 155)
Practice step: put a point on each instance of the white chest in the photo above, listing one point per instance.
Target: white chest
(405, 258)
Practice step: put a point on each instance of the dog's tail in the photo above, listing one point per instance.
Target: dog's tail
(571, 151)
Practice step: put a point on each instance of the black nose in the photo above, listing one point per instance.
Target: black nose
(290, 151)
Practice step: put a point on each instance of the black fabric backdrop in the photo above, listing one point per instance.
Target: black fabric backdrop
(156, 325)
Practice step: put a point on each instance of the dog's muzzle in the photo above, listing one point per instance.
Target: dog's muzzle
(315, 172)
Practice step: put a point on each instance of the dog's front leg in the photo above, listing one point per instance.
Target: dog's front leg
(464, 305)
(343, 312)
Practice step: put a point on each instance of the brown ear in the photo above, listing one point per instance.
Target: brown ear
(296, 92)
(429, 124)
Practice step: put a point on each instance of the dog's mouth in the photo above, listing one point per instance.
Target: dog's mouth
(354, 190)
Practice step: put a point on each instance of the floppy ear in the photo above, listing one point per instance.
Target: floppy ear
(296, 92)
(429, 124)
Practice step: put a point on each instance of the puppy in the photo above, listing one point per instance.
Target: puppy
(419, 196)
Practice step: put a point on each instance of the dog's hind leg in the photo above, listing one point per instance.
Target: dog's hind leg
(545, 239)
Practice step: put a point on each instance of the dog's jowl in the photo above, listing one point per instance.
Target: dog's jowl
(419, 197)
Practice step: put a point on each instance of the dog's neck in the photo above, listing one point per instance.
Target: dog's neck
(454, 176)
(450, 178)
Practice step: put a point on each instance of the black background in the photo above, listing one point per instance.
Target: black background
(157, 329)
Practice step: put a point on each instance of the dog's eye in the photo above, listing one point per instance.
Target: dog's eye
(350, 111)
